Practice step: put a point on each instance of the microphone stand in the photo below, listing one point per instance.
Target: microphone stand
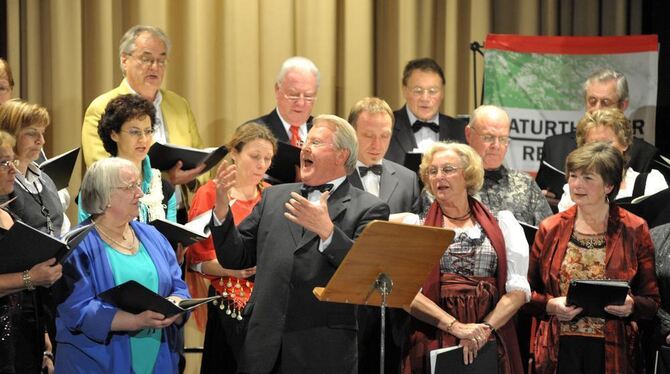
(475, 47)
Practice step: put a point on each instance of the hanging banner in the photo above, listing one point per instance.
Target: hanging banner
(539, 81)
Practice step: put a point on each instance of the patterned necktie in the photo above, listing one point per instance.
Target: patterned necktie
(416, 126)
(305, 190)
(376, 169)
(295, 136)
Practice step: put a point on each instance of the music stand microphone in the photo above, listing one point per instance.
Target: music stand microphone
(475, 47)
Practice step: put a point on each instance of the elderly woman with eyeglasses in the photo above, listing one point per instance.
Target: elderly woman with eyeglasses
(24, 346)
(481, 281)
(94, 336)
(126, 129)
(611, 125)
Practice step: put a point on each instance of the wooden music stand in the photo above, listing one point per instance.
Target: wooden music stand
(386, 257)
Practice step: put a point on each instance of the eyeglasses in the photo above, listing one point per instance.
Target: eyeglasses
(296, 98)
(137, 133)
(490, 139)
(315, 143)
(604, 103)
(446, 170)
(309, 98)
(419, 91)
(131, 187)
(148, 61)
(5, 165)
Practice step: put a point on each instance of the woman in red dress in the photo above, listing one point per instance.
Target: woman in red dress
(251, 149)
(594, 239)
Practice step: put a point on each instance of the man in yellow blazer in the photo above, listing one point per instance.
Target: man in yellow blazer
(143, 56)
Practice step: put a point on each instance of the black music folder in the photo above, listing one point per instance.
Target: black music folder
(450, 360)
(284, 164)
(134, 298)
(653, 208)
(413, 161)
(60, 168)
(178, 233)
(22, 246)
(662, 164)
(550, 177)
(529, 231)
(594, 294)
(165, 156)
(662, 361)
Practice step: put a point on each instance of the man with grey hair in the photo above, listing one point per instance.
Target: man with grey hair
(297, 236)
(295, 92)
(143, 56)
(605, 88)
(503, 189)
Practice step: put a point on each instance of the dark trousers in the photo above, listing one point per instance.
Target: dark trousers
(223, 339)
(578, 354)
(369, 340)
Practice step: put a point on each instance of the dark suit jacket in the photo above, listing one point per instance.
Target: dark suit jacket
(272, 121)
(556, 149)
(403, 140)
(398, 187)
(284, 317)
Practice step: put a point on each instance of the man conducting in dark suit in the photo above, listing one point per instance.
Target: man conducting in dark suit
(419, 123)
(295, 91)
(604, 88)
(395, 185)
(297, 236)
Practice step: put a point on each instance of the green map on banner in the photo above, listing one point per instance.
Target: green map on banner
(543, 94)
(543, 81)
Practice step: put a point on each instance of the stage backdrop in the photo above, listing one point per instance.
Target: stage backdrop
(538, 81)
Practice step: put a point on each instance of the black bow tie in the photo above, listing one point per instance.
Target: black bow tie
(493, 175)
(416, 126)
(306, 190)
(377, 169)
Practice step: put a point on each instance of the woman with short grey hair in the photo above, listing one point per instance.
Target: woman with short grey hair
(93, 335)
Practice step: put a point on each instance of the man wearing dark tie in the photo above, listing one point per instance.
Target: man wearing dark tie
(297, 236)
(295, 92)
(395, 185)
(419, 123)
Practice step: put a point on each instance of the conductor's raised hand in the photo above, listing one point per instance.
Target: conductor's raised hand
(224, 181)
(177, 175)
(313, 217)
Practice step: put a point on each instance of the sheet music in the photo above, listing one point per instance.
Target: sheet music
(200, 222)
(435, 352)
